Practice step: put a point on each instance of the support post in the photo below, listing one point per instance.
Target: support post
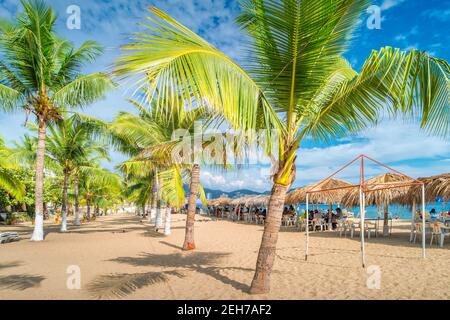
(413, 217)
(423, 222)
(362, 223)
(307, 228)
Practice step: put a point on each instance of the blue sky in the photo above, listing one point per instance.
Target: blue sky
(407, 24)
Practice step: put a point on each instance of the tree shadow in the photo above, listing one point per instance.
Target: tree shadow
(21, 281)
(10, 264)
(171, 245)
(120, 285)
(176, 260)
(191, 261)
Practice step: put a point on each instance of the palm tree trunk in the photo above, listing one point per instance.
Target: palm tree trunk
(38, 232)
(150, 207)
(158, 219)
(266, 255)
(267, 250)
(88, 209)
(386, 219)
(77, 204)
(64, 202)
(189, 243)
(167, 221)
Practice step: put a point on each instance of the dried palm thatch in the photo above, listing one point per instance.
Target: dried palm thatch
(381, 190)
(221, 201)
(329, 190)
(435, 186)
(258, 200)
(240, 200)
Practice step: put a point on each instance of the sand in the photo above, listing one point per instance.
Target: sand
(120, 257)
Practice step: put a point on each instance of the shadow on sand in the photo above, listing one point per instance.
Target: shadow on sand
(20, 281)
(121, 285)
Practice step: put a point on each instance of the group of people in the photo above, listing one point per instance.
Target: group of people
(219, 211)
(325, 216)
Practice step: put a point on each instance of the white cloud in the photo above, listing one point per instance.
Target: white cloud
(403, 146)
(388, 4)
(439, 14)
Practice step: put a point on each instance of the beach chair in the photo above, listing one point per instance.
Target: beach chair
(318, 223)
(369, 228)
(353, 225)
(439, 231)
(341, 227)
(6, 237)
(418, 230)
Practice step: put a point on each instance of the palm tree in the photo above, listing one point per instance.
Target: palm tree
(149, 137)
(40, 73)
(296, 81)
(71, 147)
(9, 182)
(98, 185)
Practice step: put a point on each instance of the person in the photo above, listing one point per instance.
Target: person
(291, 211)
(338, 212)
(264, 213)
(285, 211)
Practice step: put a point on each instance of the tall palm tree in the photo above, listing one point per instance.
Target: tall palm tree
(40, 73)
(149, 137)
(9, 182)
(295, 80)
(71, 147)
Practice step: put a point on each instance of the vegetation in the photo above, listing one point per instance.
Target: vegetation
(40, 74)
(296, 80)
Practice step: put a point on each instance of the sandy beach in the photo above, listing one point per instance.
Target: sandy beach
(121, 257)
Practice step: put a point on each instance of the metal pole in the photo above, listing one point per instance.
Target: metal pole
(423, 221)
(413, 217)
(362, 218)
(362, 213)
(307, 228)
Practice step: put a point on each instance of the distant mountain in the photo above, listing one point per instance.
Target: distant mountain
(212, 194)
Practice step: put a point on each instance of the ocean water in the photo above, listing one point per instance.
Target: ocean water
(394, 210)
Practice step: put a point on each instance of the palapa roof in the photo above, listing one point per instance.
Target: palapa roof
(221, 201)
(386, 188)
(330, 190)
(257, 200)
(435, 186)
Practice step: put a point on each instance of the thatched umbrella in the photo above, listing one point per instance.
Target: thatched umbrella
(257, 200)
(328, 191)
(380, 191)
(221, 201)
(296, 196)
(435, 186)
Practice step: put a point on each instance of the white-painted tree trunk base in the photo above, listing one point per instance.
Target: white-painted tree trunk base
(152, 215)
(38, 232)
(385, 230)
(77, 219)
(167, 230)
(64, 223)
(158, 222)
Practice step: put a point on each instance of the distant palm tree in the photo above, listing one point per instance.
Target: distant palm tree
(148, 138)
(297, 82)
(9, 182)
(98, 185)
(40, 73)
(72, 148)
